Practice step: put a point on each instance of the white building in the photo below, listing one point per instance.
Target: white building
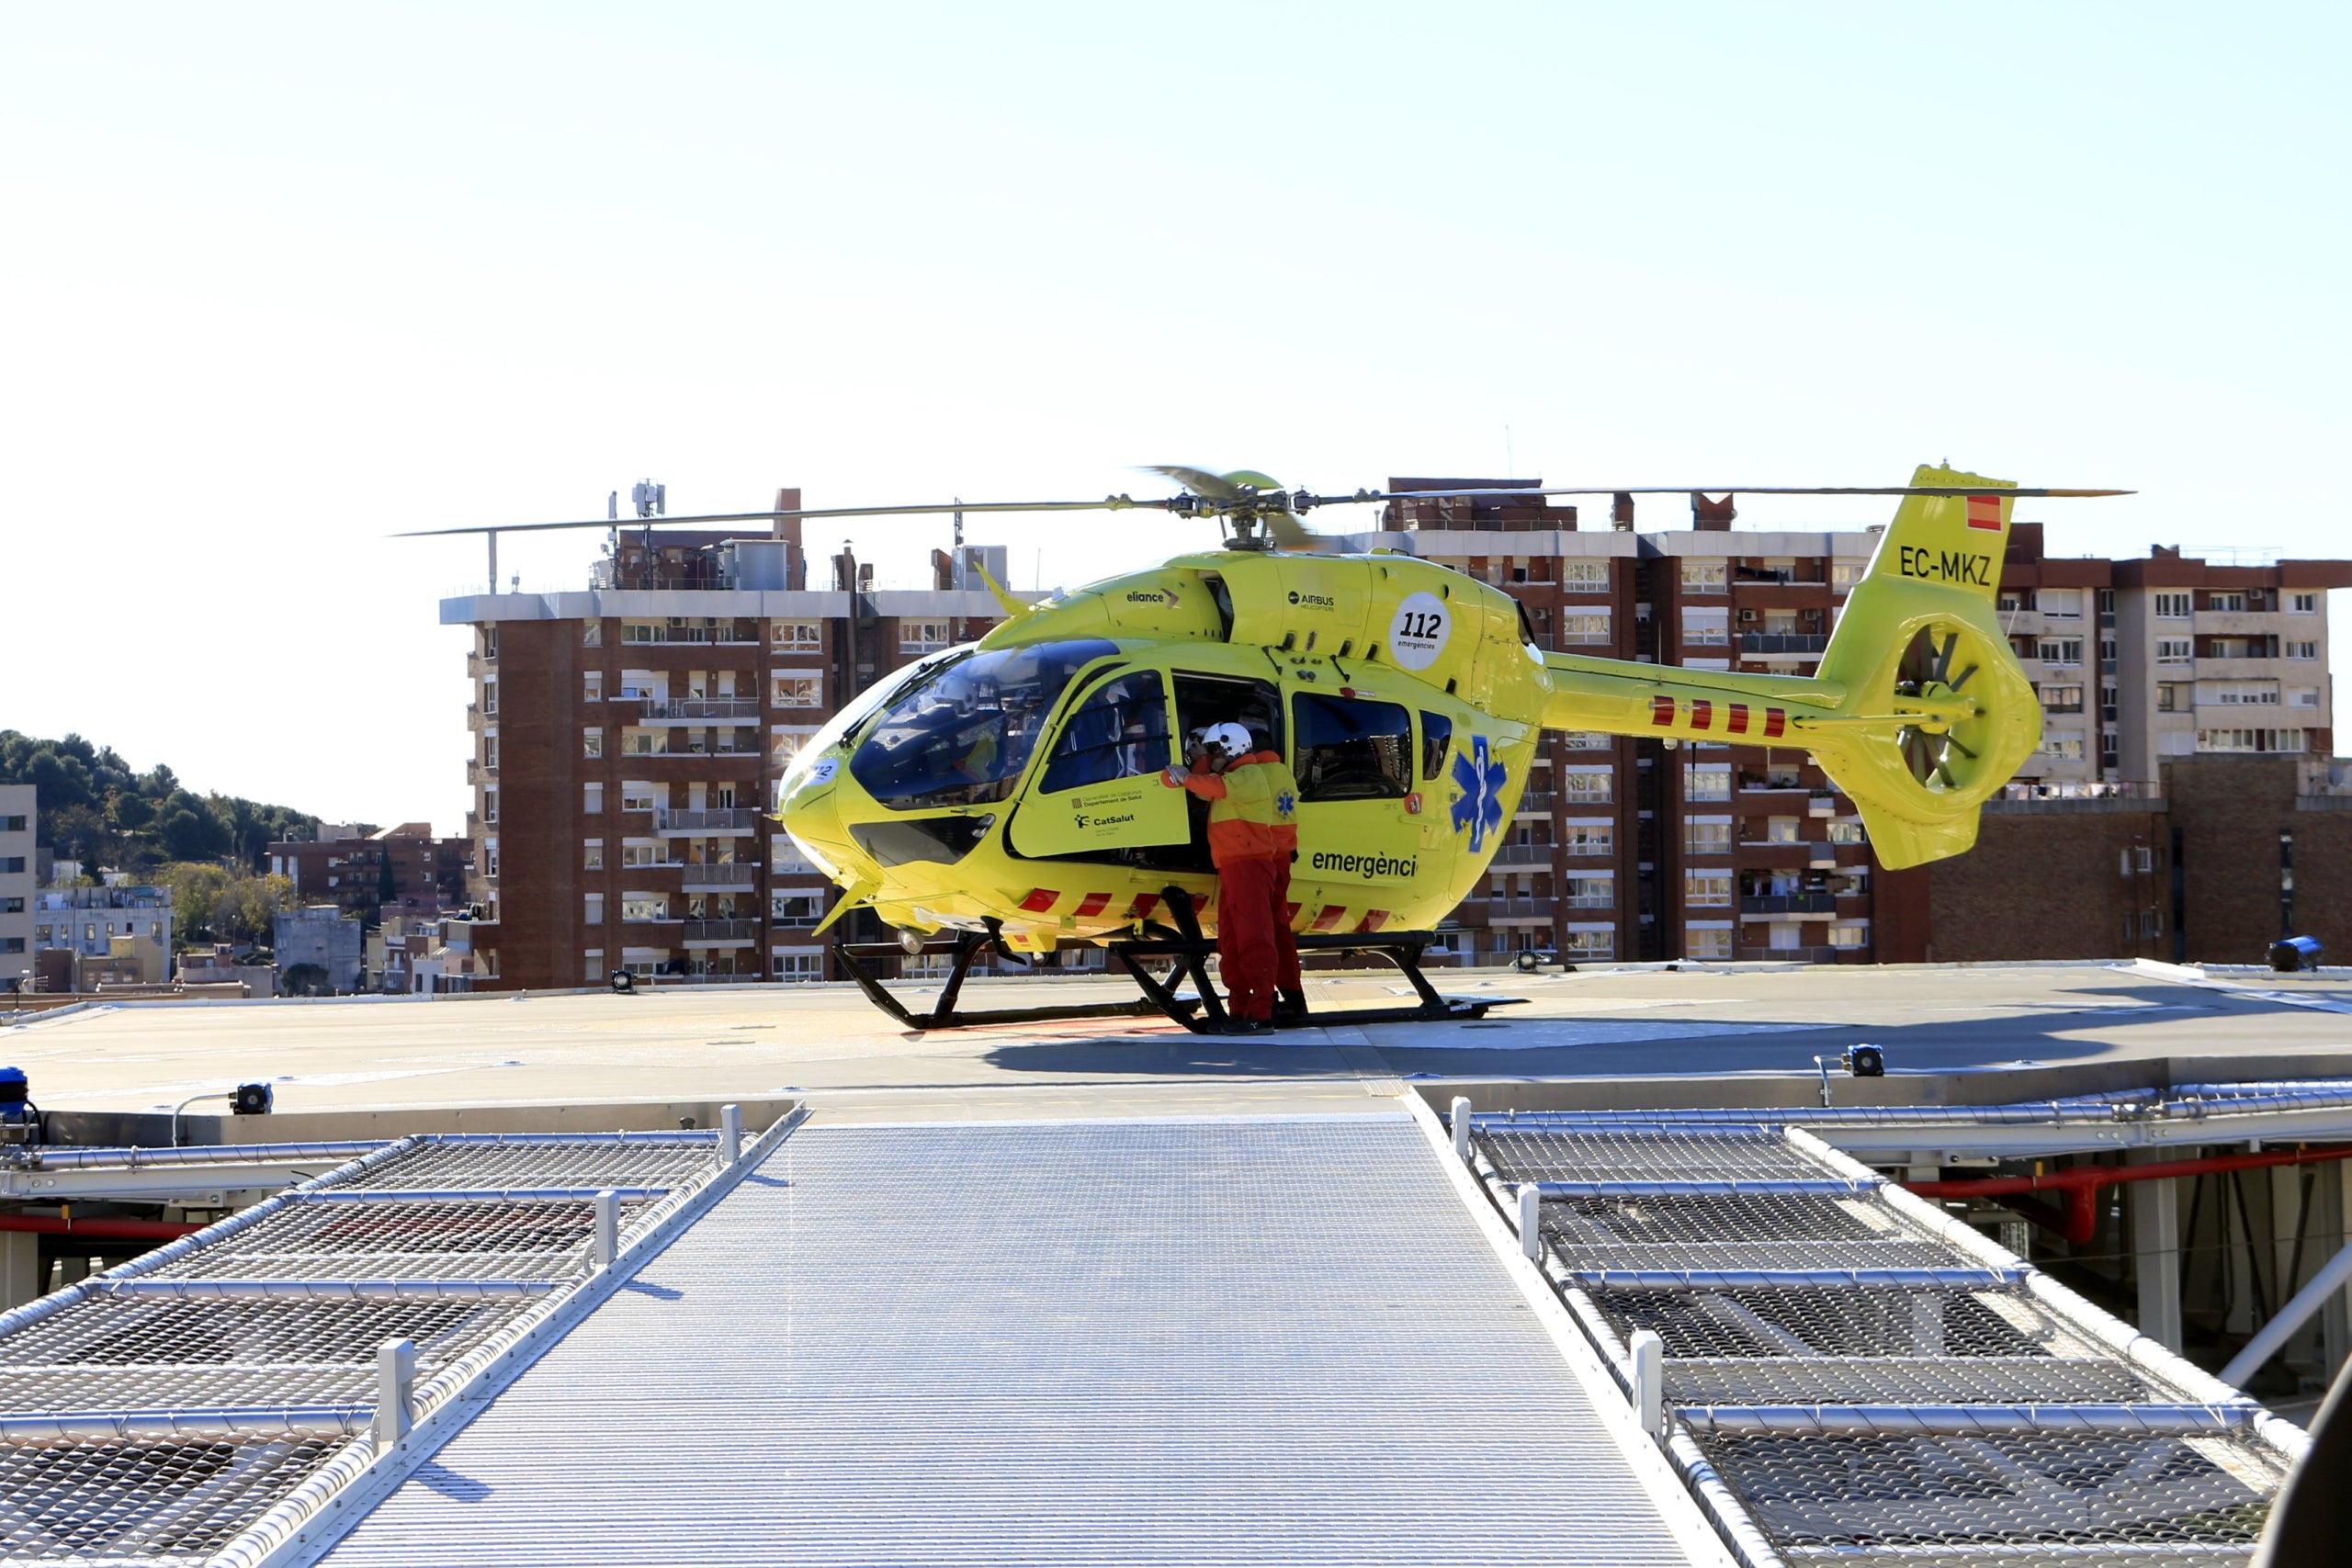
(18, 823)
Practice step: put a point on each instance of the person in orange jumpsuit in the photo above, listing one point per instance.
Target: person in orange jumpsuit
(1253, 838)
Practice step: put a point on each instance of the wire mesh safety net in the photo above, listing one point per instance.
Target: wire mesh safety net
(1796, 1387)
(141, 1425)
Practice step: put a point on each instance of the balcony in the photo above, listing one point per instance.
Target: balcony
(1511, 908)
(465, 936)
(697, 710)
(721, 934)
(1788, 904)
(716, 820)
(1536, 802)
(1798, 954)
(1524, 854)
(641, 635)
(721, 874)
(1821, 805)
(1785, 645)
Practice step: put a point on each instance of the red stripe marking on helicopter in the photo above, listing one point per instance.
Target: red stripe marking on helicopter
(1735, 718)
(1984, 512)
(1329, 918)
(1040, 899)
(1372, 920)
(1776, 721)
(1092, 904)
(1142, 908)
(1661, 710)
(1289, 914)
(1702, 713)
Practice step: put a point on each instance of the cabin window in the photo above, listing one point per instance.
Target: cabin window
(963, 735)
(1351, 749)
(1437, 739)
(1119, 731)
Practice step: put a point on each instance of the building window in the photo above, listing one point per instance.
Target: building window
(798, 637)
(640, 631)
(1584, 941)
(636, 795)
(2014, 600)
(490, 696)
(641, 743)
(490, 857)
(1710, 780)
(1590, 893)
(1781, 830)
(645, 907)
(592, 965)
(12, 944)
(1584, 627)
(592, 741)
(1589, 576)
(1579, 840)
(592, 799)
(2065, 747)
(795, 909)
(784, 746)
(2250, 740)
(1710, 835)
(1843, 575)
(1706, 889)
(2060, 699)
(2174, 650)
(2302, 603)
(2302, 696)
(490, 806)
(1849, 936)
(1706, 627)
(921, 637)
(1585, 784)
(1706, 575)
(2110, 749)
(2058, 651)
(594, 913)
(592, 632)
(1849, 831)
(1706, 942)
(12, 906)
(2061, 603)
(1585, 740)
(2225, 601)
(642, 851)
(2242, 694)
(12, 824)
(591, 854)
(2172, 606)
(2302, 651)
(797, 692)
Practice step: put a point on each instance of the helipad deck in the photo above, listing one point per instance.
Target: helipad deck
(1268, 1340)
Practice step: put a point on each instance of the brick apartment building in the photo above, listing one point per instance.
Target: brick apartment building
(628, 736)
(402, 871)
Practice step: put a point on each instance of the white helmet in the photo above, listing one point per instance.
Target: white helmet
(1230, 738)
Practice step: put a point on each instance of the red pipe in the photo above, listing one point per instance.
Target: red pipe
(65, 1224)
(2082, 1184)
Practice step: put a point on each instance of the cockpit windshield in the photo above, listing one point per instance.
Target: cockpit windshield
(962, 737)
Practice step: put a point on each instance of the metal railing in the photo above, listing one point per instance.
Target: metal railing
(1524, 854)
(698, 707)
(1535, 800)
(1788, 904)
(733, 873)
(716, 820)
(1782, 642)
(722, 930)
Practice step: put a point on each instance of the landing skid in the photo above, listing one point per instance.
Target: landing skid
(1187, 951)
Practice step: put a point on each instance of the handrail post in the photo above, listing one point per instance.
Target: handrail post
(731, 1136)
(395, 1391)
(1461, 1114)
(1530, 1221)
(1649, 1381)
(608, 1245)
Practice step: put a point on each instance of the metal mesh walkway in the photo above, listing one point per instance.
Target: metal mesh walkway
(1193, 1342)
(1845, 1374)
(201, 1402)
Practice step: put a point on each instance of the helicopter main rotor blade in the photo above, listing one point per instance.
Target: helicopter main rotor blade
(1364, 497)
(1200, 481)
(1109, 504)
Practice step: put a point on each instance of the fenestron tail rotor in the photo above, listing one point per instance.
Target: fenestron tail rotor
(1947, 733)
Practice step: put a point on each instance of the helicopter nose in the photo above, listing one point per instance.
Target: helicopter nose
(811, 813)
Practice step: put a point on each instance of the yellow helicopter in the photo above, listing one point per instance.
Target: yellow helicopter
(1007, 796)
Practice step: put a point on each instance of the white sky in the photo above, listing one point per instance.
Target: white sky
(281, 280)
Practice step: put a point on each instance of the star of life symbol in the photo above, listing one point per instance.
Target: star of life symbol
(1479, 807)
(1285, 802)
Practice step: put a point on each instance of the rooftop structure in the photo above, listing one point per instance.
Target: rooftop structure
(18, 876)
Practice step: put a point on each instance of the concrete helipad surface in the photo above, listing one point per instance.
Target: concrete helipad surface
(852, 1062)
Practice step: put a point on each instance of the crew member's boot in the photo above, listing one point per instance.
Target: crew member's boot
(1290, 1007)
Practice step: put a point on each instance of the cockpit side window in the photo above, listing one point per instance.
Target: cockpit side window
(1118, 731)
(964, 736)
(1351, 749)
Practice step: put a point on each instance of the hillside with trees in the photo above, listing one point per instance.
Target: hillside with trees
(96, 809)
